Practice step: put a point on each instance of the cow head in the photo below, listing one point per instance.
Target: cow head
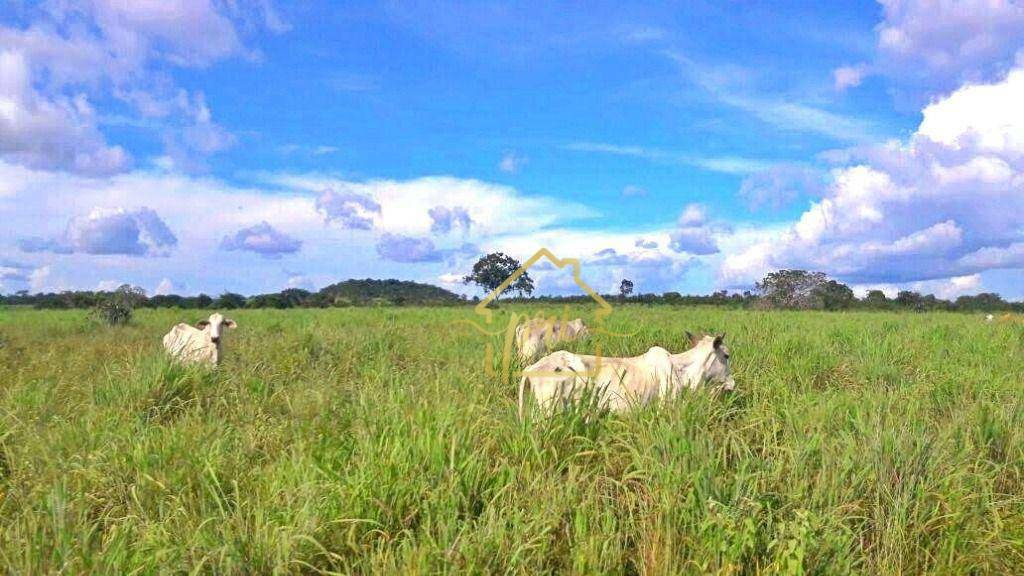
(712, 356)
(577, 328)
(215, 325)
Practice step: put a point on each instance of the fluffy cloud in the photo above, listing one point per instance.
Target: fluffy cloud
(403, 206)
(75, 52)
(50, 133)
(39, 279)
(202, 134)
(651, 264)
(932, 47)
(848, 76)
(781, 185)
(511, 162)
(696, 241)
(138, 232)
(263, 239)
(451, 278)
(693, 234)
(635, 259)
(947, 203)
(981, 118)
(693, 215)
(410, 249)
(191, 33)
(398, 248)
(13, 273)
(947, 288)
(300, 281)
(444, 219)
(349, 209)
(201, 210)
(650, 270)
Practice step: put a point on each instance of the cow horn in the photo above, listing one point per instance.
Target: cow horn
(693, 339)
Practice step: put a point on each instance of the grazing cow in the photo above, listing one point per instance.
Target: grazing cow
(538, 336)
(200, 343)
(621, 383)
(989, 318)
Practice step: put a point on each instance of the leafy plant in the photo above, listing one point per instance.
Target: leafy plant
(115, 308)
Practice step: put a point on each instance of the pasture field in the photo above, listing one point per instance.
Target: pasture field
(370, 441)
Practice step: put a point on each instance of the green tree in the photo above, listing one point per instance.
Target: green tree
(910, 299)
(116, 308)
(792, 289)
(625, 288)
(835, 295)
(876, 300)
(230, 300)
(986, 301)
(493, 269)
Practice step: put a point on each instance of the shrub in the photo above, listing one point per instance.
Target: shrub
(115, 308)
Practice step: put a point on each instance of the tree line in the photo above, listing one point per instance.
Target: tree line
(368, 292)
(779, 290)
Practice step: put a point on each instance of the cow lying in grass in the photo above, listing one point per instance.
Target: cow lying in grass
(619, 384)
(202, 343)
(538, 336)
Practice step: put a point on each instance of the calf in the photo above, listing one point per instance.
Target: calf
(202, 343)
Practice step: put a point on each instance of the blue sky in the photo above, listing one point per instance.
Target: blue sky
(205, 146)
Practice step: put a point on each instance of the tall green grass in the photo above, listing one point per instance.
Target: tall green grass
(371, 441)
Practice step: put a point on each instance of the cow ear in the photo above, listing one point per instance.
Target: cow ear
(719, 340)
(228, 322)
(202, 324)
(693, 339)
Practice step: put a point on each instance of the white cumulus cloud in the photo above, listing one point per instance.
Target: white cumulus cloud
(947, 203)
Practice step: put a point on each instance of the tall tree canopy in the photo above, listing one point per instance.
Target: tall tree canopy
(493, 269)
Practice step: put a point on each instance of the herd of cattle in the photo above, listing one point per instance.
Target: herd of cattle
(554, 379)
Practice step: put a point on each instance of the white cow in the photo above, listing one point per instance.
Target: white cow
(200, 343)
(621, 383)
(538, 336)
(989, 318)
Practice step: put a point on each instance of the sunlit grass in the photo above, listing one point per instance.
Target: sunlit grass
(371, 441)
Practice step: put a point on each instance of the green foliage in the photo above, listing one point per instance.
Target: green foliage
(803, 290)
(835, 295)
(986, 301)
(876, 300)
(229, 301)
(115, 308)
(358, 441)
(784, 289)
(362, 292)
(625, 288)
(491, 270)
(796, 289)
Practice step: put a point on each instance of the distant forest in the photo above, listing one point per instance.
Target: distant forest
(370, 292)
